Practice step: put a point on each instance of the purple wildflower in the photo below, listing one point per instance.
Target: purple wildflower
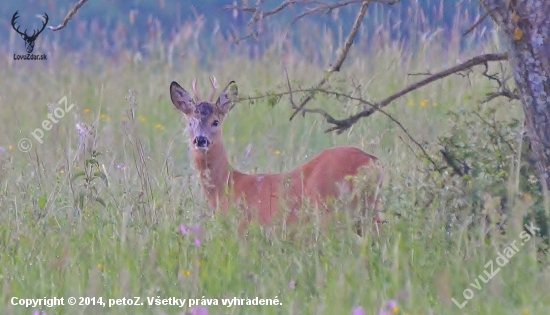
(392, 305)
(199, 311)
(183, 230)
(390, 308)
(358, 311)
(292, 284)
(198, 242)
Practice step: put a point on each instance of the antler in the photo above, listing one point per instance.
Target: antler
(195, 90)
(15, 16)
(214, 83)
(45, 16)
(34, 34)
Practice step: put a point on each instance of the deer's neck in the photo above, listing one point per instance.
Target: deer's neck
(214, 170)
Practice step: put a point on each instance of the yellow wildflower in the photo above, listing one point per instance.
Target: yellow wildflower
(11, 148)
(424, 103)
(100, 267)
(86, 110)
(186, 273)
(159, 127)
(277, 152)
(142, 118)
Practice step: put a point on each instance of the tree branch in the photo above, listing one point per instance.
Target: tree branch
(503, 90)
(328, 117)
(476, 24)
(68, 17)
(341, 56)
(323, 7)
(343, 124)
(320, 6)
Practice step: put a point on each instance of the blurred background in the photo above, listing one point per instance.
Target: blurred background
(109, 28)
(97, 206)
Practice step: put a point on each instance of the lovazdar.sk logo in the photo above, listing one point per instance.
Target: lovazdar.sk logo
(29, 39)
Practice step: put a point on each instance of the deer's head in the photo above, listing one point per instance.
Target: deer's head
(204, 118)
(29, 39)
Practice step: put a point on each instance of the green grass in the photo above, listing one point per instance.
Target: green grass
(133, 246)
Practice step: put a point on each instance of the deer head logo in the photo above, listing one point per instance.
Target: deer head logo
(29, 40)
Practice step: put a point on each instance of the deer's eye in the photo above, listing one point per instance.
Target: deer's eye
(215, 123)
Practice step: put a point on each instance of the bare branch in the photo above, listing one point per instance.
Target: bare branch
(476, 24)
(341, 125)
(504, 93)
(68, 17)
(503, 90)
(321, 7)
(341, 56)
(328, 117)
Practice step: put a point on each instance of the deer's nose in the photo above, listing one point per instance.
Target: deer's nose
(201, 142)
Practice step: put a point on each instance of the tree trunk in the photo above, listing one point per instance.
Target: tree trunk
(526, 25)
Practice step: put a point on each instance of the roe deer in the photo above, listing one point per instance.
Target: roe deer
(321, 181)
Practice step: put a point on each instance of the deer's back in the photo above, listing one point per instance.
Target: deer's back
(329, 174)
(326, 175)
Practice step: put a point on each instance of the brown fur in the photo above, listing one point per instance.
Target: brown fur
(329, 176)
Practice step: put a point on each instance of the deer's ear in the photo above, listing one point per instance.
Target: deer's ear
(227, 99)
(181, 99)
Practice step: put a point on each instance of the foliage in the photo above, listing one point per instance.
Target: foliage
(134, 245)
(90, 191)
(489, 174)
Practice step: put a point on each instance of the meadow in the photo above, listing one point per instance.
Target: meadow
(124, 216)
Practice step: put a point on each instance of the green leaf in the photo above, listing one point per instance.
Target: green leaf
(101, 202)
(77, 175)
(42, 200)
(79, 201)
(92, 162)
(103, 177)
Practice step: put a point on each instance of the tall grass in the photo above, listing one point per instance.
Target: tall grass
(56, 243)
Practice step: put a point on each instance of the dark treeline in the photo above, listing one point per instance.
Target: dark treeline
(112, 25)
